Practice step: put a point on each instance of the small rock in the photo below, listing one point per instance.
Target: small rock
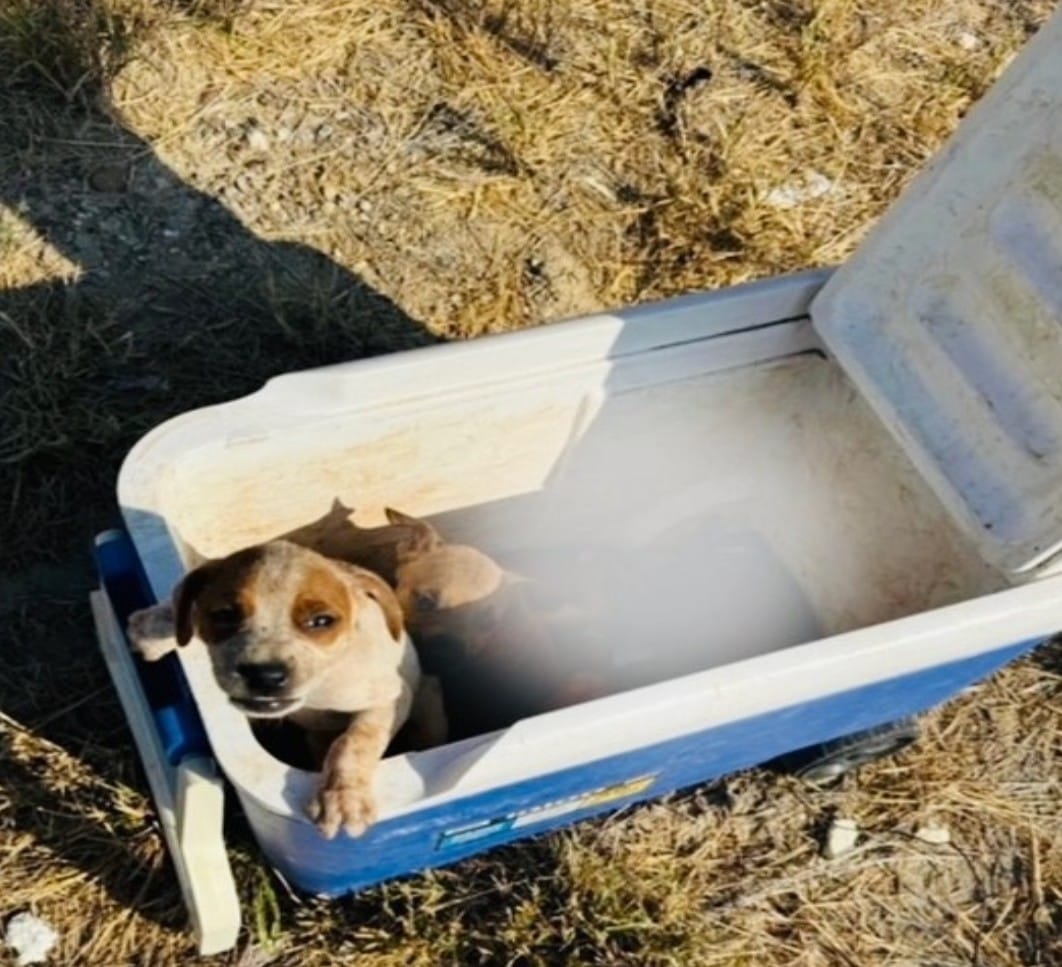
(257, 139)
(365, 206)
(934, 833)
(841, 838)
(31, 938)
(969, 41)
(813, 185)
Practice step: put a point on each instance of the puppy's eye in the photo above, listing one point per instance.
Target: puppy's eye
(322, 620)
(425, 600)
(227, 616)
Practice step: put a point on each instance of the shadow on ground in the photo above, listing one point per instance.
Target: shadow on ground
(175, 304)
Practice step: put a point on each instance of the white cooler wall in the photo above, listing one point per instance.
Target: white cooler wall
(786, 450)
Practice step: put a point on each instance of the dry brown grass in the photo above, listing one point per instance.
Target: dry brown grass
(558, 158)
(195, 194)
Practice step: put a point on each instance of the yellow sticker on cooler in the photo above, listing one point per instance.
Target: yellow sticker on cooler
(499, 827)
(631, 788)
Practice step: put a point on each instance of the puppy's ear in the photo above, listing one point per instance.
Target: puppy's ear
(422, 537)
(380, 591)
(340, 509)
(194, 558)
(184, 597)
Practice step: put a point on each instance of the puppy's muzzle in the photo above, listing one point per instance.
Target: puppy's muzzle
(264, 678)
(265, 683)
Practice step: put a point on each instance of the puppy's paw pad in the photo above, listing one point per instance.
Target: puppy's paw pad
(350, 808)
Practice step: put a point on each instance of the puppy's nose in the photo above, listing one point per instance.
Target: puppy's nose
(265, 677)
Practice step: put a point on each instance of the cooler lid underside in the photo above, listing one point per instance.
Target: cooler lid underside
(949, 317)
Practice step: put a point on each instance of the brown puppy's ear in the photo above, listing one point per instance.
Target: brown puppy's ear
(397, 517)
(380, 591)
(422, 536)
(184, 596)
(341, 510)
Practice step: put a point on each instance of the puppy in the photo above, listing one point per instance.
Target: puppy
(293, 634)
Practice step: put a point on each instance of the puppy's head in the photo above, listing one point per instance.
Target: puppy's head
(466, 612)
(434, 579)
(276, 618)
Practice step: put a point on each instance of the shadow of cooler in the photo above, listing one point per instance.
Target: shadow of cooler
(880, 446)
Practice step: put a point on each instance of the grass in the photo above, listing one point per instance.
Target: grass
(197, 195)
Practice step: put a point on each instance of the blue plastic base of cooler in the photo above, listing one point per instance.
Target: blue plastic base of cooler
(465, 827)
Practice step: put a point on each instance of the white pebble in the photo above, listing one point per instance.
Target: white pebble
(812, 185)
(841, 837)
(968, 41)
(30, 937)
(935, 834)
(257, 140)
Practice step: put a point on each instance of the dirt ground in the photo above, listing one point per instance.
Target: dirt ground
(198, 194)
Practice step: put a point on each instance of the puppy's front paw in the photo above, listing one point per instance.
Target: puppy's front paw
(350, 807)
(152, 631)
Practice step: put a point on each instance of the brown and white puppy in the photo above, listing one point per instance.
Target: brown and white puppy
(291, 633)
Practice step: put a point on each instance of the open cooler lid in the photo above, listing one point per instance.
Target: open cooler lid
(949, 317)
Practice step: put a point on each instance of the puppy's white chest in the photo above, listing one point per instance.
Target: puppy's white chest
(358, 684)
